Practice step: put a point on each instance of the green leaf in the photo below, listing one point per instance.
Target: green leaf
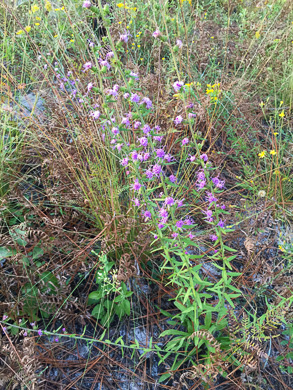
(126, 306)
(37, 252)
(95, 295)
(98, 311)
(229, 249)
(164, 377)
(5, 252)
(173, 332)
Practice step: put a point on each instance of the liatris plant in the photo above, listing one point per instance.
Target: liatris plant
(156, 195)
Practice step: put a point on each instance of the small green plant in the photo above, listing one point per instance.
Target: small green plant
(108, 286)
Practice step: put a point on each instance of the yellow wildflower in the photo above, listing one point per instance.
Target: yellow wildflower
(276, 133)
(48, 6)
(71, 40)
(138, 45)
(120, 5)
(27, 29)
(35, 8)
(282, 114)
(272, 152)
(262, 154)
(57, 9)
(19, 32)
(37, 24)
(257, 35)
(38, 18)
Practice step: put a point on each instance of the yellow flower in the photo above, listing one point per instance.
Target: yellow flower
(119, 22)
(71, 40)
(276, 133)
(281, 102)
(163, 58)
(27, 29)
(127, 26)
(62, 9)
(19, 32)
(141, 59)
(35, 8)
(57, 9)
(261, 104)
(212, 37)
(37, 24)
(138, 45)
(120, 5)
(282, 114)
(281, 248)
(55, 36)
(48, 6)
(273, 152)
(262, 154)
(38, 18)
(257, 35)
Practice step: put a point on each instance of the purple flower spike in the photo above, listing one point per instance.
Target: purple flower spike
(213, 237)
(179, 224)
(40, 332)
(156, 33)
(56, 340)
(146, 129)
(136, 202)
(221, 224)
(178, 85)
(179, 43)
(95, 114)
(124, 162)
(178, 120)
(124, 37)
(132, 74)
(143, 141)
(147, 102)
(87, 66)
(147, 214)
(163, 213)
(157, 169)
(185, 141)
(136, 186)
(160, 153)
(172, 178)
(137, 124)
(204, 157)
(86, 4)
(135, 98)
(149, 174)
(169, 201)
